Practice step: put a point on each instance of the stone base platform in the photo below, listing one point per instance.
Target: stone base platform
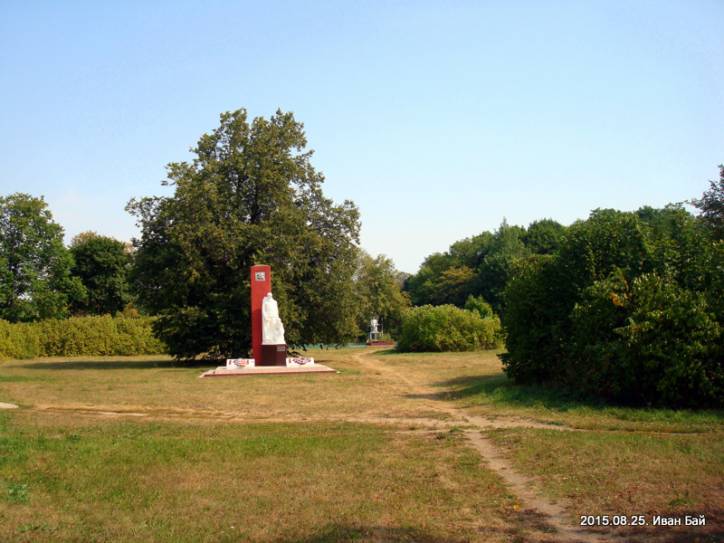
(380, 343)
(223, 371)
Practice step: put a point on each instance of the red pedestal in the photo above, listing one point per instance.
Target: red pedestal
(260, 286)
(273, 355)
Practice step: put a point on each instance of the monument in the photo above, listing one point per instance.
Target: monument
(375, 331)
(376, 334)
(267, 330)
(269, 349)
(273, 347)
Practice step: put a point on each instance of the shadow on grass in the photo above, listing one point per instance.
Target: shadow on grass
(501, 390)
(120, 364)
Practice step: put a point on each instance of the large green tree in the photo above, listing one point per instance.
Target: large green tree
(102, 264)
(35, 279)
(378, 287)
(250, 196)
(505, 252)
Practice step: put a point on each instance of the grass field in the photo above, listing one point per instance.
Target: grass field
(140, 449)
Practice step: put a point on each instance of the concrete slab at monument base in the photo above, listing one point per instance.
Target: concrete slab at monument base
(223, 371)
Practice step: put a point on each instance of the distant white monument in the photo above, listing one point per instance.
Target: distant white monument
(375, 329)
(272, 329)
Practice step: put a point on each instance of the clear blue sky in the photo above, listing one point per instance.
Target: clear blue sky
(437, 118)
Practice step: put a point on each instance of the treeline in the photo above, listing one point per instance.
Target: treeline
(88, 299)
(627, 306)
(250, 196)
(65, 301)
(481, 265)
(41, 278)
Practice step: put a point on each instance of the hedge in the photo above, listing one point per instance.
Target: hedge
(630, 309)
(79, 336)
(447, 328)
(646, 341)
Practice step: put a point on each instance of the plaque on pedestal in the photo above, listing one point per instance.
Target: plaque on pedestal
(273, 355)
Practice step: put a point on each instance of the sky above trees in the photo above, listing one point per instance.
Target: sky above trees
(438, 120)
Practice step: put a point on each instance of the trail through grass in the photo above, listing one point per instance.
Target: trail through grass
(138, 449)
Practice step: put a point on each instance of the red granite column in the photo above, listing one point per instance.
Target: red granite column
(260, 286)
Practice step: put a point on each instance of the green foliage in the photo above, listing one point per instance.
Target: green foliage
(479, 305)
(378, 289)
(79, 336)
(441, 280)
(544, 237)
(102, 264)
(19, 340)
(654, 341)
(251, 196)
(35, 279)
(454, 284)
(481, 265)
(447, 328)
(505, 251)
(629, 309)
(711, 205)
(535, 310)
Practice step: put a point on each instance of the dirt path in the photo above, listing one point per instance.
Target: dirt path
(548, 521)
(543, 520)
(367, 360)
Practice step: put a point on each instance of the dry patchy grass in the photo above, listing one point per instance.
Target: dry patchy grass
(191, 464)
(159, 384)
(139, 481)
(615, 473)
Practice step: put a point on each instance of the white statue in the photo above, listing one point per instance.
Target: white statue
(272, 329)
(373, 325)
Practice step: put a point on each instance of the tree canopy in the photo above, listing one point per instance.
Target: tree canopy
(481, 265)
(378, 287)
(711, 205)
(250, 196)
(35, 279)
(102, 264)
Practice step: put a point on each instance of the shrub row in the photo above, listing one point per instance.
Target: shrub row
(630, 309)
(79, 336)
(447, 328)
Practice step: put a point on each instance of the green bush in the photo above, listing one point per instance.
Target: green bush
(647, 342)
(629, 309)
(19, 340)
(447, 328)
(537, 304)
(479, 305)
(79, 336)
